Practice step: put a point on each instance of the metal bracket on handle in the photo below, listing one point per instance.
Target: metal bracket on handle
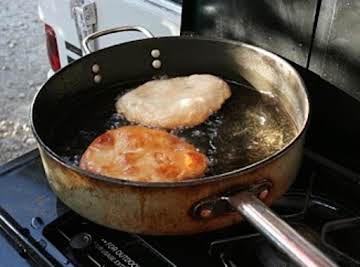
(93, 36)
(285, 238)
(219, 205)
(246, 201)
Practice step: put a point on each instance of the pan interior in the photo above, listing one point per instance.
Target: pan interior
(249, 127)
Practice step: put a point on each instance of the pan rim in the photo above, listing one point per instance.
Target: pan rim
(195, 181)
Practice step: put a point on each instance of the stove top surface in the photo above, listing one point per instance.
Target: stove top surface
(322, 205)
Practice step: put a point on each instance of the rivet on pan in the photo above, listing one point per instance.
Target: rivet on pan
(95, 68)
(206, 213)
(263, 194)
(155, 53)
(156, 64)
(97, 78)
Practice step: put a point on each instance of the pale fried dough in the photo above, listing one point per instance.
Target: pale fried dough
(174, 103)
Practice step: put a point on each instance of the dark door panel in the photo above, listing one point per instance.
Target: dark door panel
(336, 50)
(282, 26)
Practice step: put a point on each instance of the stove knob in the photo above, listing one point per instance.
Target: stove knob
(37, 222)
(81, 241)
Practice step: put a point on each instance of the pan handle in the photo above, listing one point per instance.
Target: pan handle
(93, 36)
(279, 232)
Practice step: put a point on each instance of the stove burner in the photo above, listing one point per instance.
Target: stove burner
(81, 241)
(314, 206)
(339, 236)
(308, 233)
(265, 253)
(314, 218)
(269, 256)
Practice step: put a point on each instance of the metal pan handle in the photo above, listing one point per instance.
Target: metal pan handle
(280, 233)
(93, 36)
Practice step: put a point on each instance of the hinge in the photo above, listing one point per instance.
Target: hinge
(84, 14)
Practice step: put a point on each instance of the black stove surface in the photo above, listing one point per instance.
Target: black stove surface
(322, 205)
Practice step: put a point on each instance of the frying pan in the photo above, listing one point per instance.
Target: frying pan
(218, 200)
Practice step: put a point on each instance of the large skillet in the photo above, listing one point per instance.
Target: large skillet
(190, 206)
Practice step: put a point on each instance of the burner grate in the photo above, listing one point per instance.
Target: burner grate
(313, 217)
(338, 236)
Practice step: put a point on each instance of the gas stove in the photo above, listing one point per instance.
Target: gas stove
(322, 205)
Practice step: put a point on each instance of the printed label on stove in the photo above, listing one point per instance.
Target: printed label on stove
(114, 254)
(87, 244)
(124, 250)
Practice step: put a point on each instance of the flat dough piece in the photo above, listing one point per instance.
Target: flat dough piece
(174, 103)
(138, 153)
